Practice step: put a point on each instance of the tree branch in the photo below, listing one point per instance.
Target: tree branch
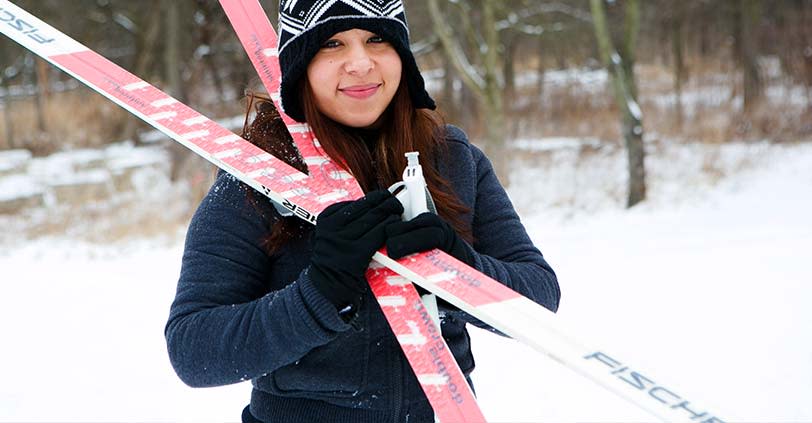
(469, 74)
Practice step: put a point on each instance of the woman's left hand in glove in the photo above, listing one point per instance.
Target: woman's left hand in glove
(425, 232)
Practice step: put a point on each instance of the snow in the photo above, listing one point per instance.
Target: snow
(95, 176)
(83, 330)
(23, 176)
(703, 289)
(11, 160)
(62, 164)
(124, 155)
(634, 109)
(582, 79)
(554, 143)
(19, 187)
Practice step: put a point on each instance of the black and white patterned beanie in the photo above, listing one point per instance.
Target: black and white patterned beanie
(304, 25)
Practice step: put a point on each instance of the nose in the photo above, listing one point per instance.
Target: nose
(358, 62)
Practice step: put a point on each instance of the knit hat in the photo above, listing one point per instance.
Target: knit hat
(304, 25)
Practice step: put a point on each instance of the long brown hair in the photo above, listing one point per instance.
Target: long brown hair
(378, 165)
(268, 132)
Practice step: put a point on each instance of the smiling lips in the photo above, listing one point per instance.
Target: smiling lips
(361, 91)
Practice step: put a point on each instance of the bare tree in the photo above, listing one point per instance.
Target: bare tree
(5, 102)
(172, 59)
(620, 64)
(208, 31)
(484, 40)
(41, 94)
(486, 84)
(677, 26)
(12, 68)
(746, 19)
(146, 32)
(806, 40)
(147, 37)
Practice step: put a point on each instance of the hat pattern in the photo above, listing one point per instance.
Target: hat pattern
(294, 20)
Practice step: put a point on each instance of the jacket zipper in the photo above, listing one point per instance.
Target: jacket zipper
(397, 390)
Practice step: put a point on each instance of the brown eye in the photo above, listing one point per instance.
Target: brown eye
(376, 40)
(331, 44)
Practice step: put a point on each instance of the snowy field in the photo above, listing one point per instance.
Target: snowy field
(705, 289)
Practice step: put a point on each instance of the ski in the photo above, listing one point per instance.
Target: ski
(471, 291)
(433, 364)
(425, 349)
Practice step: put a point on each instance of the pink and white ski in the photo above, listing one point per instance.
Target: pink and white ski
(424, 347)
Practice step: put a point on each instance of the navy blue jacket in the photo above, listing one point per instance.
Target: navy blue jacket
(240, 314)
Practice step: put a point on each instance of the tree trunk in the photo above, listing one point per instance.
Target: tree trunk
(146, 42)
(704, 24)
(540, 71)
(172, 69)
(806, 29)
(487, 87)
(8, 121)
(511, 45)
(41, 80)
(206, 35)
(628, 48)
(621, 70)
(449, 97)
(184, 164)
(494, 104)
(677, 30)
(511, 94)
(633, 136)
(745, 38)
(468, 107)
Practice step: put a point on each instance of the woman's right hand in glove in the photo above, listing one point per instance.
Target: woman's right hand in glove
(347, 235)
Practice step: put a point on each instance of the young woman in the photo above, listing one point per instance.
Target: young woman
(265, 297)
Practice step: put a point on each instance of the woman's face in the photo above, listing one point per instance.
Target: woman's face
(354, 77)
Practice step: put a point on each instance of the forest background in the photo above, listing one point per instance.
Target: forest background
(697, 71)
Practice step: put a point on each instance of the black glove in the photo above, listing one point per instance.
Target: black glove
(425, 232)
(347, 235)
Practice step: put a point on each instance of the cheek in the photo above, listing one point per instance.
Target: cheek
(322, 80)
(319, 72)
(393, 67)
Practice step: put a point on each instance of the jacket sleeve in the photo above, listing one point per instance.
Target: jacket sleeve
(502, 249)
(224, 325)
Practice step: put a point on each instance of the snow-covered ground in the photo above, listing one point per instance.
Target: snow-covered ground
(704, 290)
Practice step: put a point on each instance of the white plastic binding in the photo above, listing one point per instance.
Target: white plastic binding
(413, 196)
